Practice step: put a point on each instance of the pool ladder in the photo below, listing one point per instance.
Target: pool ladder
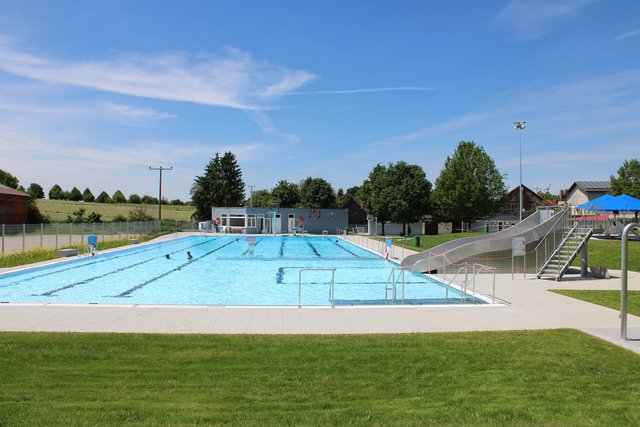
(331, 290)
(392, 284)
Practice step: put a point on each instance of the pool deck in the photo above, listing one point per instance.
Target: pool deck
(528, 304)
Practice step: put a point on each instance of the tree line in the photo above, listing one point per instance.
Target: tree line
(57, 193)
(468, 187)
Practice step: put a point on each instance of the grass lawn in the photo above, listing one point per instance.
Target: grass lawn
(430, 241)
(606, 253)
(556, 377)
(58, 210)
(609, 299)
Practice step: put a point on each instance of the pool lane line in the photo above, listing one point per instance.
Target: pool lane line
(127, 293)
(345, 249)
(52, 292)
(96, 261)
(313, 248)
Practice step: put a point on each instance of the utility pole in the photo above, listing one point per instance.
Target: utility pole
(161, 168)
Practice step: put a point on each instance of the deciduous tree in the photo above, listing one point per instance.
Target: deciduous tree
(75, 194)
(9, 180)
(469, 186)
(628, 179)
(317, 193)
(88, 196)
(285, 194)
(35, 191)
(103, 198)
(118, 197)
(56, 193)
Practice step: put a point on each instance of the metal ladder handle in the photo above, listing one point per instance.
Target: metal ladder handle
(332, 290)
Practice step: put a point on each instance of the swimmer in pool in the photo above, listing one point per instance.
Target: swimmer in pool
(189, 256)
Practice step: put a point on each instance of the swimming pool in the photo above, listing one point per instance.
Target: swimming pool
(227, 270)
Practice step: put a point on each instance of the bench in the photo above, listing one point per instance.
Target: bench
(134, 241)
(67, 252)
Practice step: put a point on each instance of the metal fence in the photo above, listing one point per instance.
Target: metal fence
(22, 237)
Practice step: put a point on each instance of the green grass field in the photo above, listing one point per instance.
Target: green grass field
(610, 299)
(58, 210)
(528, 378)
(607, 254)
(430, 241)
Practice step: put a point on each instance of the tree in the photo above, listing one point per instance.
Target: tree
(285, 195)
(399, 193)
(103, 198)
(258, 198)
(176, 202)
(469, 186)
(376, 195)
(221, 185)
(149, 200)
(118, 197)
(75, 195)
(35, 191)
(56, 193)
(139, 213)
(87, 196)
(9, 180)
(135, 199)
(317, 193)
(628, 179)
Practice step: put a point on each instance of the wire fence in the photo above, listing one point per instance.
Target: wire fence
(22, 237)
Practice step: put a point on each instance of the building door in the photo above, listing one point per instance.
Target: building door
(278, 228)
(292, 222)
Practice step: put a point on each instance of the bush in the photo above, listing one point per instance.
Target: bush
(119, 218)
(140, 214)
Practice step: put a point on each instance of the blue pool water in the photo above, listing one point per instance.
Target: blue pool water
(225, 271)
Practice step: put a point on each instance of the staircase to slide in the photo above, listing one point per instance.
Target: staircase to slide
(553, 235)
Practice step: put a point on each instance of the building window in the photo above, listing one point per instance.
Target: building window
(236, 220)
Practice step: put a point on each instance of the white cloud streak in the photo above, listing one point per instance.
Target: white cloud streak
(135, 114)
(627, 35)
(353, 91)
(533, 19)
(231, 81)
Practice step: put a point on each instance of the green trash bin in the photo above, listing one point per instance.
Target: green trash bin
(486, 227)
(416, 241)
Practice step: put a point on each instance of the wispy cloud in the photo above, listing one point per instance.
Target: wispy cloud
(627, 35)
(353, 91)
(266, 125)
(134, 115)
(533, 19)
(228, 81)
(457, 125)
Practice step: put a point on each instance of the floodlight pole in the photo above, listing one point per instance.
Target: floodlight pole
(520, 126)
(160, 188)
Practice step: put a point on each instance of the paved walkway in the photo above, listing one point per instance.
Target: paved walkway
(528, 304)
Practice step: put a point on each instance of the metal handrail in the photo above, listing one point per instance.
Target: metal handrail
(392, 276)
(480, 268)
(332, 291)
(553, 228)
(623, 282)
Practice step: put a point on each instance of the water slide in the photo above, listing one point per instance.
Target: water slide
(533, 229)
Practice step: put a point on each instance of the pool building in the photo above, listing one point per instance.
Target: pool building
(280, 220)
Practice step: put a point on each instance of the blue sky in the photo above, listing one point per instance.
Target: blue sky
(92, 93)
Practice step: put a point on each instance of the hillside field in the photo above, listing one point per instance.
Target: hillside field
(58, 210)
